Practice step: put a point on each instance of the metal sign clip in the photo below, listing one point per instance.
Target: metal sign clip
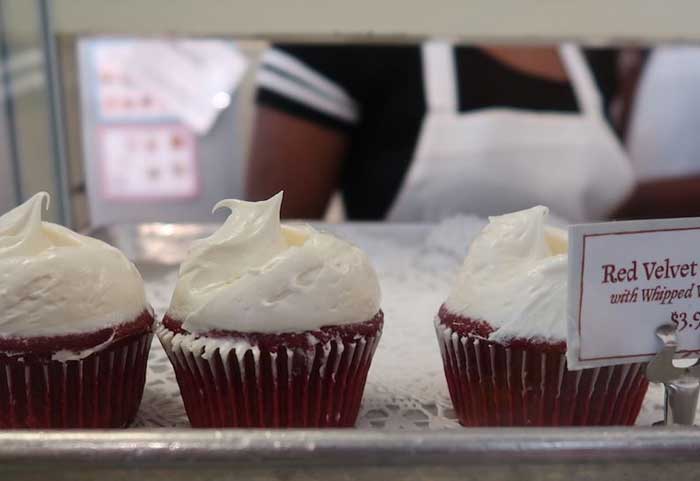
(681, 384)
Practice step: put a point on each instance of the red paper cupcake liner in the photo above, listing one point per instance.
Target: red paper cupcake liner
(528, 384)
(101, 390)
(310, 379)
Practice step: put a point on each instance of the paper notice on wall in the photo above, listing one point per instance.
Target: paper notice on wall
(194, 78)
(148, 162)
(119, 99)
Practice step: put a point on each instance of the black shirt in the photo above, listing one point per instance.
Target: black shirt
(376, 95)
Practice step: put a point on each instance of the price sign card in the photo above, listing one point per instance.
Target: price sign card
(625, 280)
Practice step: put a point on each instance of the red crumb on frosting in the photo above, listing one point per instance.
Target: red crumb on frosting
(47, 346)
(466, 326)
(271, 341)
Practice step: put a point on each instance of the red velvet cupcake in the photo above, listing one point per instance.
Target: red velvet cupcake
(502, 336)
(75, 329)
(272, 325)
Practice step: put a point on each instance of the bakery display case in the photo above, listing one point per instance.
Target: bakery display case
(407, 427)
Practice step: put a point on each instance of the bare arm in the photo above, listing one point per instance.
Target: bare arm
(663, 198)
(297, 156)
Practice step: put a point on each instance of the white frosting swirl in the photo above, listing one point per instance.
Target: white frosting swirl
(257, 275)
(55, 282)
(514, 277)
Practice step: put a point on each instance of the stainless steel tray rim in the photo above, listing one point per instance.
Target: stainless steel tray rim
(246, 447)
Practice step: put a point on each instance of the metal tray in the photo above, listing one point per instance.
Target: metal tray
(479, 454)
(638, 453)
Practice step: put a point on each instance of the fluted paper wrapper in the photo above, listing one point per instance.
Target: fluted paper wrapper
(101, 390)
(496, 385)
(238, 383)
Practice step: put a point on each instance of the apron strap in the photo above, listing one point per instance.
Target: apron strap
(439, 76)
(582, 80)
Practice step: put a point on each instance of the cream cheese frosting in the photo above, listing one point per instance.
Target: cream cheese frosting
(54, 281)
(255, 274)
(514, 277)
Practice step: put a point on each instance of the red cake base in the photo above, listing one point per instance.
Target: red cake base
(527, 383)
(101, 390)
(308, 379)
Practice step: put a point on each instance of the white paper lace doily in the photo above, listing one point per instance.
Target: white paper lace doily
(406, 387)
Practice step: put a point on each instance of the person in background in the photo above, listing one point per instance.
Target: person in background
(663, 140)
(419, 133)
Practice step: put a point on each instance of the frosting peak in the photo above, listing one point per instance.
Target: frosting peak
(255, 274)
(252, 233)
(20, 229)
(54, 281)
(514, 277)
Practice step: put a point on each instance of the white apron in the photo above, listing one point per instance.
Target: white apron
(499, 160)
